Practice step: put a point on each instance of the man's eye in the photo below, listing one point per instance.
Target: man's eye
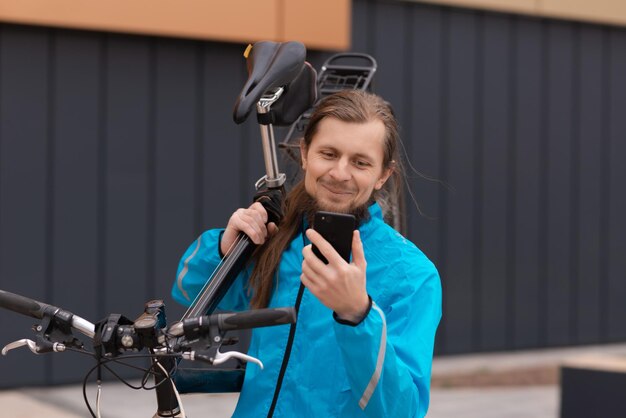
(327, 154)
(361, 163)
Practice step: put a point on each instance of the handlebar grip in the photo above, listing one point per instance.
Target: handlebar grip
(23, 305)
(256, 318)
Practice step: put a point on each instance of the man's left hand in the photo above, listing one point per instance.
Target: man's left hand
(339, 285)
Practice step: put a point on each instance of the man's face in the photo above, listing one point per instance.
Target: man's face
(344, 164)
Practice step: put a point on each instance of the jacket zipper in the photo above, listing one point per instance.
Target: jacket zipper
(283, 367)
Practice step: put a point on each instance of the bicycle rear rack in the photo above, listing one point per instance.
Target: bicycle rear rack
(343, 71)
(346, 71)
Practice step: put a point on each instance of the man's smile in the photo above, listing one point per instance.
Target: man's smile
(334, 189)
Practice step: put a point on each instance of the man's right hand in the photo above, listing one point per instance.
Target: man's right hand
(250, 221)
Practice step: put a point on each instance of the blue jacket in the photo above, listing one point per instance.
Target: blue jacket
(378, 368)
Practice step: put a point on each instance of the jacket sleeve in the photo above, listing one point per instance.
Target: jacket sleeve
(196, 267)
(388, 356)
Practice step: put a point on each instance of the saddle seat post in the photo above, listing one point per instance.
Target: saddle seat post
(273, 178)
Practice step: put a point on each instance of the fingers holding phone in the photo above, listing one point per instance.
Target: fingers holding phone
(358, 254)
(337, 283)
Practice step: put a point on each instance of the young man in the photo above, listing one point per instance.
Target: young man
(363, 342)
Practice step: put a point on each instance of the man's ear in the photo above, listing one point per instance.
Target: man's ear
(303, 153)
(383, 178)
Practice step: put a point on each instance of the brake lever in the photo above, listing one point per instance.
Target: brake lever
(220, 357)
(223, 357)
(33, 346)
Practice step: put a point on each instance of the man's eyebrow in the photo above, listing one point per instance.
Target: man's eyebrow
(357, 155)
(363, 156)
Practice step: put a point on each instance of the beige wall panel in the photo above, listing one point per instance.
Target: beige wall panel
(514, 6)
(596, 11)
(319, 24)
(601, 11)
(230, 20)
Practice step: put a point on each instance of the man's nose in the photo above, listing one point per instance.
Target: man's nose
(341, 170)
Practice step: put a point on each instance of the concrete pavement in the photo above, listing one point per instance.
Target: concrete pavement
(120, 402)
(480, 399)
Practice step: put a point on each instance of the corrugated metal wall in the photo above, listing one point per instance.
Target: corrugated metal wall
(523, 119)
(116, 151)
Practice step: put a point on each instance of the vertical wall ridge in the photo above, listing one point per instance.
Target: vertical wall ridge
(151, 170)
(101, 248)
(510, 197)
(50, 179)
(574, 189)
(479, 109)
(542, 253)
(443, 171)
(200, 113)
(605, 178)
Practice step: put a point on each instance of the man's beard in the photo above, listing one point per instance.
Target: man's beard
(311, 206)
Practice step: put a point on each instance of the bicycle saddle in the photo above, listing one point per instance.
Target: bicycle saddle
(270, 65)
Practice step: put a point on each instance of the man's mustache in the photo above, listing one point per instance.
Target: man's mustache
(338, 186)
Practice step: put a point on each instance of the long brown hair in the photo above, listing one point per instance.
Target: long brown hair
(353, 106)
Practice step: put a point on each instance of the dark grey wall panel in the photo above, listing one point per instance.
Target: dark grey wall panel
(174, 161)
(128, 142)
(127, 148)
(363, 21)
(421, 130)
(75, 111)
(392, 81)
(224, 76)
(592, 140)
(24, 169)
(424, 126)
(616, 228)
(527, 91)
(558, 322)
(458, 168)
(494, 129)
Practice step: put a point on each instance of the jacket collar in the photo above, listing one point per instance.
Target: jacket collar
(368, 225)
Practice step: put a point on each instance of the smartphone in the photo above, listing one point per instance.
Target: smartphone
(337, 229)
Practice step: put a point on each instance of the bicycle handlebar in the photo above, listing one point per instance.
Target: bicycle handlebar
(193, 327)
(31, 307)
(23, 305)
(257, 318)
